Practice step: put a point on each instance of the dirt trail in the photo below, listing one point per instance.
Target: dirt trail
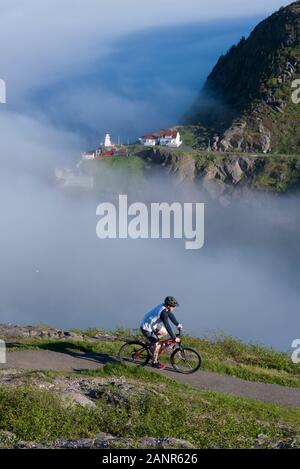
(67, 361)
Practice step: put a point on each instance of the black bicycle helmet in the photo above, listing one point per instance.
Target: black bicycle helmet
(171, 301)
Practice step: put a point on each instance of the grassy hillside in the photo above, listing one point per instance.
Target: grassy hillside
(132, 407)
(141, 409)
(114, 174)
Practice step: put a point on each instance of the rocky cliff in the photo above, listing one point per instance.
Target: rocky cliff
(225, 172)
(246, 103)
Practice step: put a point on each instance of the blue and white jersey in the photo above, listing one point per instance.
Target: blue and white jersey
(152, 321)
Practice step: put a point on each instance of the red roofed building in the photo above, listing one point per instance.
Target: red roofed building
(168, 137)
(149, 140)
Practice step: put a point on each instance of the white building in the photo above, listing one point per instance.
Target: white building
(149, 140)
(88, 155)
(169, 138)
(92, 155)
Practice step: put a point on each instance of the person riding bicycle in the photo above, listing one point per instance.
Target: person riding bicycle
(155, 325)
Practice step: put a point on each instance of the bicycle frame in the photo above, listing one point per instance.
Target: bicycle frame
(165, 344)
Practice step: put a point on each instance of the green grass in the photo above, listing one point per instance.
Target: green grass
(131, 163)
(279, 174)
(188, 134)
(224, 355)
(39, 415)
(155, 406)
(254, 362)
(116, 174)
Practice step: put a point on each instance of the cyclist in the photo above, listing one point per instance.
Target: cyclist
(156, 325)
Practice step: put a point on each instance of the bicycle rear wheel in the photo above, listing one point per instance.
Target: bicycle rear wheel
(186, 360)
(134, 352)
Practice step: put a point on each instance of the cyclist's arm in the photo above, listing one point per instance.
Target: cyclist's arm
(165, 319)
(173, 319)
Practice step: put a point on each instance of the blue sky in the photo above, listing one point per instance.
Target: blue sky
(124, 66)
(147, 82)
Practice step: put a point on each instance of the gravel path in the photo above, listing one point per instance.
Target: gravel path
(66, 361)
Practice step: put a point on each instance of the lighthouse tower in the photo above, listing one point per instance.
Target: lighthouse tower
(107, 141)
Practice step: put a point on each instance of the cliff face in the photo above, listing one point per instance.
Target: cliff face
(246, 103)
(225, 172)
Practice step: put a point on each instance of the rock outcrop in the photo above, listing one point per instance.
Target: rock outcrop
(86, 391)
(180, 163)
(233, 169)
(106, 441)
(9, 332)
(246, 103)
(228, 170)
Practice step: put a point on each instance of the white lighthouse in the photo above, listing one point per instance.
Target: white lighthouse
(107, 141)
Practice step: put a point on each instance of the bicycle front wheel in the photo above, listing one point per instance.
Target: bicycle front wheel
(134, 352)
(186, 360)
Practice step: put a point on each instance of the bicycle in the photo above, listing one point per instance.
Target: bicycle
(183, 359)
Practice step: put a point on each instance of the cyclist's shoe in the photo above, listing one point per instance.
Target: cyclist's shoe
(160, 366)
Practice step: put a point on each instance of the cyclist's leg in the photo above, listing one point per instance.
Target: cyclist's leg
(151, 339)
(161, 332)
(147, 334)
